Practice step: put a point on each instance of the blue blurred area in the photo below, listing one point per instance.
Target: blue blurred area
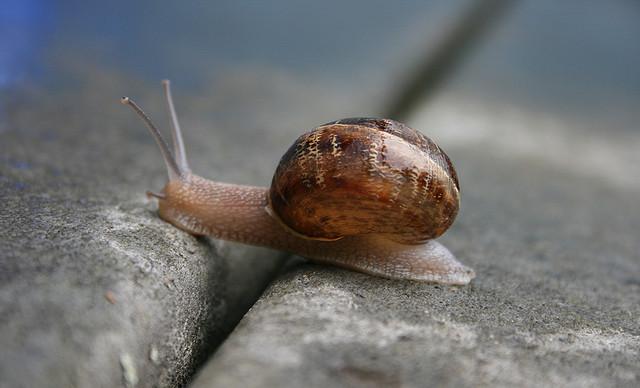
(580, 53)
(190, 40)
(25, 28)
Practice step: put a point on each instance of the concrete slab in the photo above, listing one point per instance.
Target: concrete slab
(95, 289)
(553, 238)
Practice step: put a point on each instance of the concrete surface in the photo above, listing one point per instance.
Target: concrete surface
(96, 290)
(549, 221)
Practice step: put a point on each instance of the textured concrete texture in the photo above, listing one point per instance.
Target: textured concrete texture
(96, 290)
(550, 223)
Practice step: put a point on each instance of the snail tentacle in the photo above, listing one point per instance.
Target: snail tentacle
(176, 132)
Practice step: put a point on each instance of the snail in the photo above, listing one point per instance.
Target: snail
(369, 195)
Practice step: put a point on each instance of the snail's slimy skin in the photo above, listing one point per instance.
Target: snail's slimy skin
(239, 213)
(365, 194)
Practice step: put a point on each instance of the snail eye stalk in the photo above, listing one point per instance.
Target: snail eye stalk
(172, 167)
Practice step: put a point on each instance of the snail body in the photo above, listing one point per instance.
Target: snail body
(365, 194)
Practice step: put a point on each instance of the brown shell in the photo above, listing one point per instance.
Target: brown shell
(365, 176)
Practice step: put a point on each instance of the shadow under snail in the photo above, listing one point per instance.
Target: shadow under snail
(365, 194)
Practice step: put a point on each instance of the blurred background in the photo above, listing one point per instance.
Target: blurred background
(576, 57)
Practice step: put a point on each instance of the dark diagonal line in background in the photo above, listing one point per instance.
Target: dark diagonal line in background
(440, 62)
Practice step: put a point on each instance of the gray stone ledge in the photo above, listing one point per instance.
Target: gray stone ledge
(96, 290)
(556, 300)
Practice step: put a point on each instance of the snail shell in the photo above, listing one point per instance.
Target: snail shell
(365, 176)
